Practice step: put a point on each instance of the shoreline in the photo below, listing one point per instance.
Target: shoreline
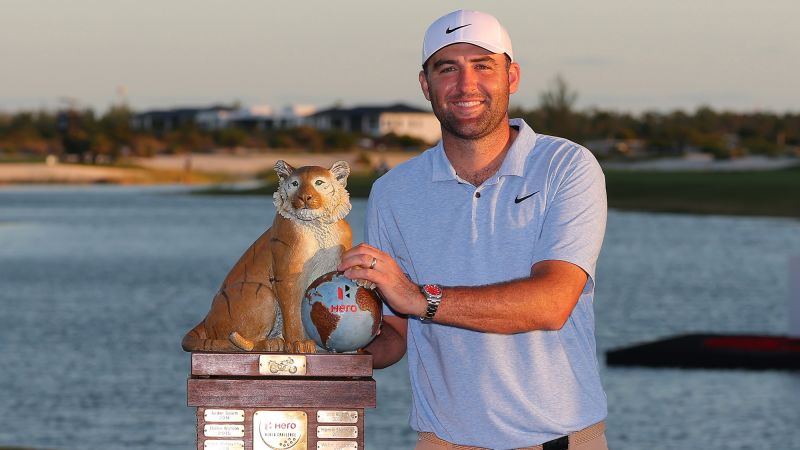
(220, 167)
(16, 174)
(749, 191)
(189, 169)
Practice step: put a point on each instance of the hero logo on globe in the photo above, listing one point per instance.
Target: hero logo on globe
(281, 430)
(343, 293)
(339, 314)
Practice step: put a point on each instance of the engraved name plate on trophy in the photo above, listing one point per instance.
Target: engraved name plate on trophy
(277, 401)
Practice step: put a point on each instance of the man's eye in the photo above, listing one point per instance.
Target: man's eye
(319, 182)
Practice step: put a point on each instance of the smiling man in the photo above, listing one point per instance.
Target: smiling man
(484, 248)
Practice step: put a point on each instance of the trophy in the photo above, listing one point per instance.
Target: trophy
(257, 379)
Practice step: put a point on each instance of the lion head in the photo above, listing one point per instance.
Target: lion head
(312, 194)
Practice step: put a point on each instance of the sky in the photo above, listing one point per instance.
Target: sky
(628, 56)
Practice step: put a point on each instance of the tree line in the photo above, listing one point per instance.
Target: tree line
(723, 134)
(86, 136)
(81, 135)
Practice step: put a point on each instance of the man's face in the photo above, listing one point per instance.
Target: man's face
(468, 88)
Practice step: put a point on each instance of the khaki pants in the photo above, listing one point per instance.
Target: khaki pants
(591, 438)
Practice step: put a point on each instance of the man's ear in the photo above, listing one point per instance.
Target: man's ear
(423, 83)
(513, 77)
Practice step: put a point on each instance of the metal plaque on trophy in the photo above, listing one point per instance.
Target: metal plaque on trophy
(269, 401)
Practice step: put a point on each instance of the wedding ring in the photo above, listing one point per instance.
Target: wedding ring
(374, 261)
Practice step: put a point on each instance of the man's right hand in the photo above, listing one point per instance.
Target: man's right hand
(364, 262)
(400, 293)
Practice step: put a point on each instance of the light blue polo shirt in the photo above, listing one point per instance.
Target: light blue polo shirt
(546, 202)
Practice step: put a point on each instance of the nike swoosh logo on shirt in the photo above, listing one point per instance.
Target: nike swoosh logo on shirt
(448, 31)
(519, 199)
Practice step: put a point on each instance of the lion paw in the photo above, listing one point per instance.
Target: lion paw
(305, 346)
(270, 345)
(261, 345)
(275, 345)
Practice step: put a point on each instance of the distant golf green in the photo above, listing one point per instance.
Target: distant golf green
(750, 193)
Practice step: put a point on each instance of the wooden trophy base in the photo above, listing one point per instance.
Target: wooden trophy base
(269, 401)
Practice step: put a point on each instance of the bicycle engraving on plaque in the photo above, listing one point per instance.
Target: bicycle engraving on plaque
(282, 365)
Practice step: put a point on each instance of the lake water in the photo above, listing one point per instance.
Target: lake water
(99, 284)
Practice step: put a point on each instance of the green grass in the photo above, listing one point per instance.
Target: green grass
(20, 160)
(751, 193)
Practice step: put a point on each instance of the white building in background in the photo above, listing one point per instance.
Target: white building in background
(167, 120)
(376, 121)
(295, 115)
(213, 119)
(265, 118)
(262, 117)
(252, 112)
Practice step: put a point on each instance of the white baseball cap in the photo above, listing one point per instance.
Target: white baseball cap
(471, 27)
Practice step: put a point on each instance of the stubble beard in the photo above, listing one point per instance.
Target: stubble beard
(479, 127)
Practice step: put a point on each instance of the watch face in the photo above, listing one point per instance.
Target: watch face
(432, 290)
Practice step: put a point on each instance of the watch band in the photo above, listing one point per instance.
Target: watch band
(433, 294)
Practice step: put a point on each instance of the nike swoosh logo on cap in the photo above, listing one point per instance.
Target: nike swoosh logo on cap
(448, 31)
(519, 199)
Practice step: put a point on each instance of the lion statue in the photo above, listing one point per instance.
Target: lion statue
(306, 240)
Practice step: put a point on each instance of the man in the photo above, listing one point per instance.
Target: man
(502, 228)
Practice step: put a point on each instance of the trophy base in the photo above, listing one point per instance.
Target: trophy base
(268, 401)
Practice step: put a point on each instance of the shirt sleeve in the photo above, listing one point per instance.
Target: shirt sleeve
(376, 234)
(575, 218)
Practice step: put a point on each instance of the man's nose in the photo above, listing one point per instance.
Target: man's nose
(467, 80)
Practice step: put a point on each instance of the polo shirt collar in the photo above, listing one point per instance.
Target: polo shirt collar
(442, 169)
(513, 164)
(517, 155)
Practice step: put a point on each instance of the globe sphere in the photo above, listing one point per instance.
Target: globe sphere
(339, 315)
